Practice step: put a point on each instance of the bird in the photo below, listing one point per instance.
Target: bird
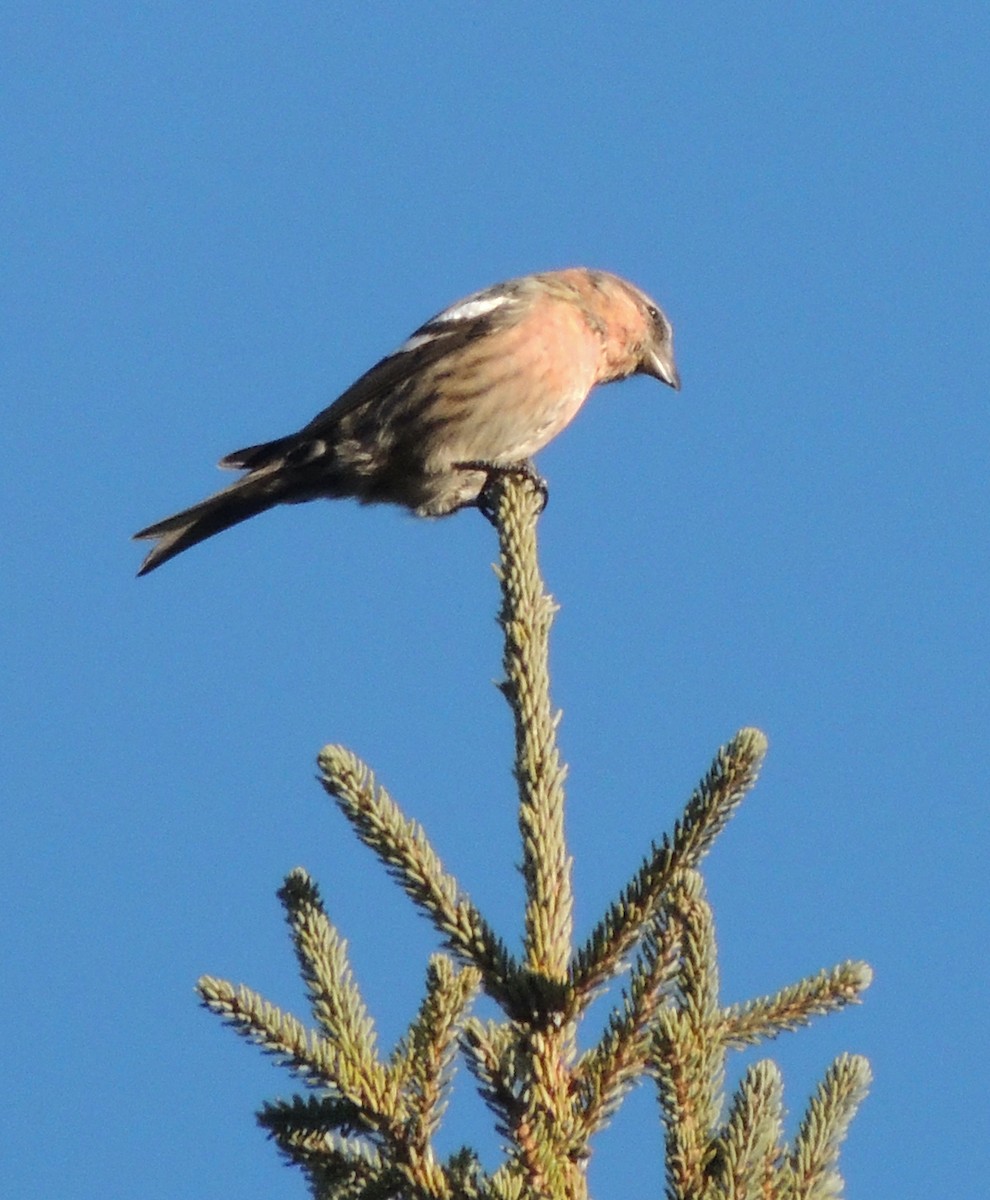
(475, 391)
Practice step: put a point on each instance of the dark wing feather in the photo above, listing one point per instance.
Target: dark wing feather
(393, 373)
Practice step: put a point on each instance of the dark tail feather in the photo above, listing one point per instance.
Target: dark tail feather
(234, 504)
(253, 457)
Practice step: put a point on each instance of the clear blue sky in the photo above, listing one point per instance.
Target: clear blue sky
(216, 217)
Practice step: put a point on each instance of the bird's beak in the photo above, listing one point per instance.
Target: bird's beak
(661, 366)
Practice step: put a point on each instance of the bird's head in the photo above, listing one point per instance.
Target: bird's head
(638, 339)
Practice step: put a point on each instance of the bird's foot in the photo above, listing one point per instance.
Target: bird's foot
(494, 472)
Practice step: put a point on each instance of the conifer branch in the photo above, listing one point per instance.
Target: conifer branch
(812, 1170)
(423, 1059)
(546, 1129)
(688, 1059)
(749, 1151)
(315, 1058)
(467, 1179)
(490, 1053)
(606, 1072)
(796, 1005)
(403, 847)
(335, 1170)
(305, 1131)
(369, 1133)
(732, 775)
(526, 616)
(322, 955)
(310, 1117)
(372, 1131)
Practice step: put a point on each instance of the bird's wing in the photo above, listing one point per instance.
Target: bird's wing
(447, 332)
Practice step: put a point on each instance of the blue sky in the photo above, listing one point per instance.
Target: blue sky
(216, 217)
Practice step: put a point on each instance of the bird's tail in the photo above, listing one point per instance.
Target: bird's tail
(254, 493)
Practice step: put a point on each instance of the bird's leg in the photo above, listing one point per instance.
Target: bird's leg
(494, 471)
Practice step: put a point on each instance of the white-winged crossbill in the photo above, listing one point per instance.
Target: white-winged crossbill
(476, 390)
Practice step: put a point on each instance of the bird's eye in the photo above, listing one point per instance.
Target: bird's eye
(657, 317)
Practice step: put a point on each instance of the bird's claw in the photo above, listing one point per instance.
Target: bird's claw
(495, 471)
